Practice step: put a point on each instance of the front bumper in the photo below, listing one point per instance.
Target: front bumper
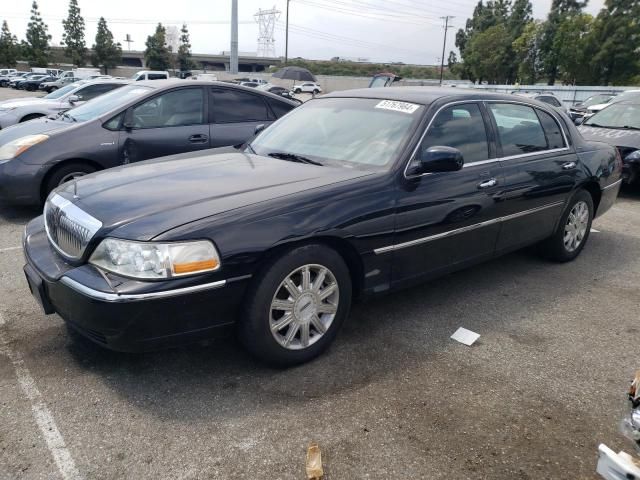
(20, 182)
(127, 315)
(7, 119)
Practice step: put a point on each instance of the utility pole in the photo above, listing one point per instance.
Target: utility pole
(444, 43)
(286, 37)
(233, 58)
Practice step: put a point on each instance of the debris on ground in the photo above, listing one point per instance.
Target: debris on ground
(464, 336)
(314, 462)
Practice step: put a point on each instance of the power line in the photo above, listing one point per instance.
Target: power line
(355, 13)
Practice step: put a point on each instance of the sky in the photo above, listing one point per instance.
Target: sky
(408, 31)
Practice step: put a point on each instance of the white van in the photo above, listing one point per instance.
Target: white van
(205, 76)
(150, 75)
(81, 73)
(7, 71)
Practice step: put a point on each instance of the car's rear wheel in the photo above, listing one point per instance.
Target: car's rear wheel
(52, 89)
(296, 306)
(66, 173)
(573, 229)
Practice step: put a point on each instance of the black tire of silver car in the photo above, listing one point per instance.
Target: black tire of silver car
(296, 305)
(316, 91)
(573, 229)
(66, 173)
(32, 116)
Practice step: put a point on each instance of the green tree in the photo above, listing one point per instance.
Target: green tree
(488, 54)
(184, 50)
(8, 47)
(36, 48)
(73, 35)
(616, 32)
(157, 55)
(560, 10)
(571, 48)
(527, 52)
(106, 52)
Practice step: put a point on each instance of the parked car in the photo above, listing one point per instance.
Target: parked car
(34, 83)
(283, 92)
(149, 75)
(546, 97)
(579, 110)
(307, 87)
(618, 125)
(7, 71)
(248, 84)
(137, 122)
(6, 81)
(203, 76)
(621, 97)
(383, 79)
(54, 85)
(17, 83)
(20, 110)
(353, 194)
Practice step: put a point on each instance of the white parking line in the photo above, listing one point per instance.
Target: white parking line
(41, 413)
(9, 249)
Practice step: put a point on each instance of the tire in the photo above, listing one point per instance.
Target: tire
(52, 89)
(33, 116)
(297, 90)
(572, 234)
(63, 173)
(258, 316)
(316, 91)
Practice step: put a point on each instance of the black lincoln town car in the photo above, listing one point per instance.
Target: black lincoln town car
(352, 194)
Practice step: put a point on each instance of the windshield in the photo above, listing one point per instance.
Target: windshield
(624, 96)
(345, 131)
(60, 92)
(107, 102)
(625, 115)
(596, 100)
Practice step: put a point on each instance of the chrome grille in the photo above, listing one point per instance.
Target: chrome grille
(68, 227)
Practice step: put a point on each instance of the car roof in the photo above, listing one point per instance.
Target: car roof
(160, 85)
(425, 95)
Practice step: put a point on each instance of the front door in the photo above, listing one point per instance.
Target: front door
(172, 122)
(540, 172)
(446, 220)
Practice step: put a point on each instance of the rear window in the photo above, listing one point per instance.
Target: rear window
(519, 129)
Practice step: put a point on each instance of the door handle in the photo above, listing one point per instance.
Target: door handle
(199, 138)
(569, 165)
(492, 182)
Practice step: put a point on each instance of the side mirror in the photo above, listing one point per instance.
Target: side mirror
(74, 99)
(259, 128)
(128, 119)
(578, 120)
(439, 159)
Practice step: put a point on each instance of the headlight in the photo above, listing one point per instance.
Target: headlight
(150, 260)
(633, 157)
(19, 145)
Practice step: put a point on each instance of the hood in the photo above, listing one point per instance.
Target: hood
(144, 200)
(22, 102)
(34, 127)
(597, 107)
(612, 136)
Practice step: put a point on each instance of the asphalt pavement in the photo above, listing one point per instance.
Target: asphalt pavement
(394, 398)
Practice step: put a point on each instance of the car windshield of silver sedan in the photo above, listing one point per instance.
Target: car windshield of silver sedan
(620, 115)
(107, 102)
(351, 132)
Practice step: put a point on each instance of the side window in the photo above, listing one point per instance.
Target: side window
(279, 108)
(461, 127)
(93, 91)
(114, 123)
(156, 76)
(232, 106)
(172, 109)
(551, 130)
(519, 129)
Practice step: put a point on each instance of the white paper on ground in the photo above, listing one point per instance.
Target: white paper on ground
(595, 231)
(465, 336)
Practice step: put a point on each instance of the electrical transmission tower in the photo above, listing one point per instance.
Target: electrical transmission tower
(266, 25)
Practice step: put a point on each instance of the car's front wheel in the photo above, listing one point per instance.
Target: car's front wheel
(65, 173)
(296, 306)
(573, 229)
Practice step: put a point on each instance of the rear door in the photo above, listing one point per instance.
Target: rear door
(235, 114)
(448, 219)
(540, 168)
(168, 123)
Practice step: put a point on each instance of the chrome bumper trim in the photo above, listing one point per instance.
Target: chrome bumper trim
(134, 297)
(612, 185)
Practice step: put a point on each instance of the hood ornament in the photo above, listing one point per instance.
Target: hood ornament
(75, 190)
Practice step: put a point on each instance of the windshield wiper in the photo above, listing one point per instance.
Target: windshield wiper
(292, 157)
(630, 127)
(66, 115)
(597, 125)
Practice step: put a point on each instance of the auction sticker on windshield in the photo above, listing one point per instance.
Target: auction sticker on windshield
(403, 107)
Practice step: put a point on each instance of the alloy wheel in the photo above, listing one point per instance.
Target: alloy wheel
(304, 306)
(576, 227)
